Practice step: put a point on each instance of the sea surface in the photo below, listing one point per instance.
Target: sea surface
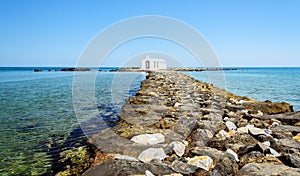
(275, 84)
(37, 114)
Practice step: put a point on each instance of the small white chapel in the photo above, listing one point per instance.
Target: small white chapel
(153, 63)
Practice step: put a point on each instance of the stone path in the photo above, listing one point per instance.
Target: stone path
(176, 125)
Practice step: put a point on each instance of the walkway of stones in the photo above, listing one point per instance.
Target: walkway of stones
(176, 125)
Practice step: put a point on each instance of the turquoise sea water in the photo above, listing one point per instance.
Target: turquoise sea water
(37, 115)
(275, 84)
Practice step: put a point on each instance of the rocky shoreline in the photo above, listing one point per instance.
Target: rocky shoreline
(176, 125)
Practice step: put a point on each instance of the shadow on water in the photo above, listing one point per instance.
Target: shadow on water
(62, 146)
(108, 117)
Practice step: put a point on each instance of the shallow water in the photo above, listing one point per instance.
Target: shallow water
(275, 84)
(37, 116)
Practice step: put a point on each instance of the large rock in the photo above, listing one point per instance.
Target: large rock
(111, 167)
(254, 169)
(184, 168)
(225, 163)
(152, 154)
(149, 139)
(178, 147)
(204, 162)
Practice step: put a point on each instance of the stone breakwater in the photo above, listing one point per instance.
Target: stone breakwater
(176, 125)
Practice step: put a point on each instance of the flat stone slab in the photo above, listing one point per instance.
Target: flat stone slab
(254, 169)
(149, 139)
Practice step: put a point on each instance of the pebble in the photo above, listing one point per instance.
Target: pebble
(149, 139)
(152, 154)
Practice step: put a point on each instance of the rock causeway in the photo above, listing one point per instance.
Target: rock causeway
(176, 125)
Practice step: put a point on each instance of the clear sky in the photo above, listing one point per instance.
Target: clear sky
(242, 32)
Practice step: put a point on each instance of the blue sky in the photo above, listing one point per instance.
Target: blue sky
(242, 32)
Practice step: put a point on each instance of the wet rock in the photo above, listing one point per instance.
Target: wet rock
(254, 169)
(152, 154)
(204, 162)
(184, 168)
(149, 139)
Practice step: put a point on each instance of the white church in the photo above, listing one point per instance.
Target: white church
(153, 63)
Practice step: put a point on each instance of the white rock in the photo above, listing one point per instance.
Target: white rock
(255, 131)
(222, 135)
(174, 174)
(209, 133)
(230, 125)
(268, 131)
(176, 105)
(275, 124)
(149, 139)
(260, 113)
(242, 130)
(152, 154)
(178, 147)
(244, 111)
(267, 143)
(231, 152)
(186, 143)
(153, 94)
(124, 157)
(274, 152)
(232, 114)
(204, 162)
(148, 173)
